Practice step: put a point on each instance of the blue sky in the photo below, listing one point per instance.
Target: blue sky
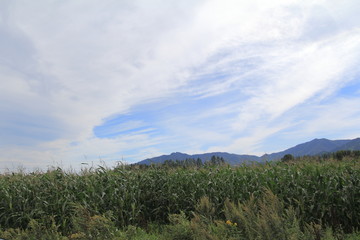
(84, 81)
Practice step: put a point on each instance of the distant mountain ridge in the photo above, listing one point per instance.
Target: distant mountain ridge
(351, 145)
(313, 147)
(230, 158)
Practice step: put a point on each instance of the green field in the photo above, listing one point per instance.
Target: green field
(311, 198)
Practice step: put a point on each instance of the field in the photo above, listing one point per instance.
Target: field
(308, 198)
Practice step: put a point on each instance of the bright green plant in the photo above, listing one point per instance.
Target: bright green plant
(326, 192)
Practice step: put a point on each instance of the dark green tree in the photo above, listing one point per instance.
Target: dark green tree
(287, 158)
(199, 162)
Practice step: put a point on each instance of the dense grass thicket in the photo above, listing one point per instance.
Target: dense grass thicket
(318, 192)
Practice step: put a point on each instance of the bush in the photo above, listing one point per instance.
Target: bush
(179, 228)
(287, 158)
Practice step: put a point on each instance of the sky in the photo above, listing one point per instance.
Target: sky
(88, 82)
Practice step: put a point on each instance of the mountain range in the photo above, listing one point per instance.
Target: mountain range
(311, 148)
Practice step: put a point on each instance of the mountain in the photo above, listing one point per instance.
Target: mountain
(351, 145)
(163, 158)
(313, 147)
(230, 158)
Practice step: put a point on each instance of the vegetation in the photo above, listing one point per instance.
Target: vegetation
(287, 158)
(309, 198)
(189, 162)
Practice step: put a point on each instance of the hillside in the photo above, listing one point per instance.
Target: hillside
(351, 145)
(311, 148)
(230, 158)
(314, 147)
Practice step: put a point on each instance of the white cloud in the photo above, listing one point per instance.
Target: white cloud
(300, 74)
(70, 66)
(340, 116)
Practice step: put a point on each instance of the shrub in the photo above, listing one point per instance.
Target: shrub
(287, 158)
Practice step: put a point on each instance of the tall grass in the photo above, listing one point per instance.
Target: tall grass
(327, 193)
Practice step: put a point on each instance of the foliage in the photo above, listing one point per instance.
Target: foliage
(265, 218)
(187, 163)
(287, 158)
(340, 155)
(179, 228)
(104, 202)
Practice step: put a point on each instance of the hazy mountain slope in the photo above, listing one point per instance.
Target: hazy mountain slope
(229, 157)
(163, 158)
(351, 145)
(313, 147)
